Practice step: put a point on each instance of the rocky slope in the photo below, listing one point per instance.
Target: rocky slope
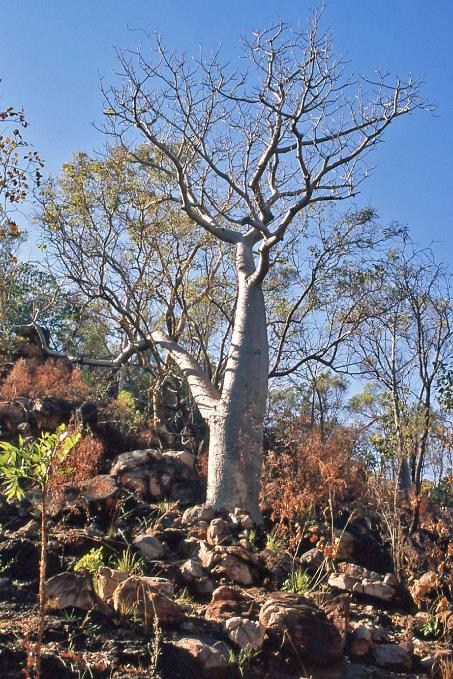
(144, 583)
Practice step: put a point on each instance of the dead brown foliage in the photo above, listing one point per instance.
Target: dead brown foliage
(202, 465)
(33, 379)
(82, 463)
(303, 474)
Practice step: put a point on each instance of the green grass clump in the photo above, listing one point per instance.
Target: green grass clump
(297, 582)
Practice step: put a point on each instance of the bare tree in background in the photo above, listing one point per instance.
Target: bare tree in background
(403, 348)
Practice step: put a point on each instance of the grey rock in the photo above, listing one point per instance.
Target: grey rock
(212, 656)
(134, 458)
(192, 569)
(393, 657)
(150, 547)
(219, 533)
(245, 633)
(193, 515)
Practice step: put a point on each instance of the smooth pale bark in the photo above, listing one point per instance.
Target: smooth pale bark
(236, 415)
(236, 425)
(203, 391)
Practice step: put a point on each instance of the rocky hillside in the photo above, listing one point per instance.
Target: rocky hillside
(143, 582)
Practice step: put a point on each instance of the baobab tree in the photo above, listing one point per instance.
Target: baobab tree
(246, 157)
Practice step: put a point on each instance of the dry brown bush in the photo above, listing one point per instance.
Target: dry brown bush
(82, 463)
(303, 475)
(33, 379)
(202, 465)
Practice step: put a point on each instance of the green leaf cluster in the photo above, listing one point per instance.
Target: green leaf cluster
(33, 462)
(91, 561)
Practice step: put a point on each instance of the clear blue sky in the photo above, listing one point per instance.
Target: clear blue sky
(52, 53)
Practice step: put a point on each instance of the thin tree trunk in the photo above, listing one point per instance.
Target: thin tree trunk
(420, 459)
(158, 407)
(403, 484)
(42, 585)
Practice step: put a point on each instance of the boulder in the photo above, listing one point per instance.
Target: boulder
(74, 590)
(154, 474)
(219, 533)
(226, 602)
(100, 494)
(107, 580)
(203, 586)
(391, 579)
(199, 531)
(150, 547)
(245, 633)
(391, 656)
(25, 429)
(147, 598)
(182, 456)
(235, 563)
(50, 412)
(170, 519)
(361, 641)
(344, 545)
(11, 416)
(337, 611)
(295, 625)
(353, 578)
(212, 656)
(197, 513)
(424, 586)
(29, 530)
(277, 565)
(171, 538)
(133, 459)
(192, 570)
(224, 593)
(232, 568)
(240, 519)
(152, 485)
(155, 584)
(134, 472)
(342, 581)
(312, 560)
(360, 545)
(376, 590)
(201, 550)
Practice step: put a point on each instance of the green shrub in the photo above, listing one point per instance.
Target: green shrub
(91, 561)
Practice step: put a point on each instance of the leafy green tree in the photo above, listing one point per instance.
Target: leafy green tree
(135, 264)
(445, 386)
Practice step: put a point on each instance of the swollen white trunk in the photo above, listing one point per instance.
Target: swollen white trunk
(236, 423)
(236, 415)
